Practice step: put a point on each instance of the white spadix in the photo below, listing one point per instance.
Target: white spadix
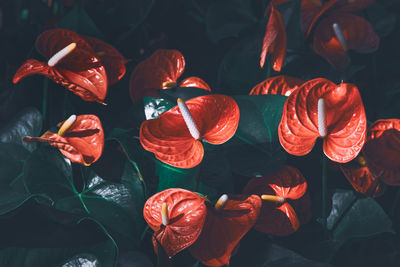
(339, 34)
(66, 125)
(187, 116)
(322, 128)
(164, 214)
(221, 202)
(273, 198)
(61, 54)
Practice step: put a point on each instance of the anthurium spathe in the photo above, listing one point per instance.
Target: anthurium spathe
(175, 137)
(278, 85)
(337, 30)
(161, 71)
(71, 62)
(80, 139)
(322, 109)
(361, 178)
(226, 223)
(382, 150)
(274, 41)
(177, 217)
(285, 204)
(112, 60)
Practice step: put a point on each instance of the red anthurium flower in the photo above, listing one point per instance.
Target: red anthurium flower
(177, 217)
(161, 71)
(360, 177)
(232, 217)
(336, 30)
(72, 63)
(175, 136)
(278, 85)
(80, 139)
(283, 193)
(112, 60)
(274, 41)
(382, 150)
(320, 108)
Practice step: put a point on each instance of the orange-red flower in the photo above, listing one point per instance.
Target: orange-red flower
(177, 217)
(232, 217)
(337, 30)
(283, 193)
(382, 150)
(278, 85)
(80, 139)
(161, 71)
(320, 108)
(274, 41)
(72, 63)
(176, 142)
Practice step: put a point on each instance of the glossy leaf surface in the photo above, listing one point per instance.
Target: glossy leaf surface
(186, 213)
(345, 116)
(223, 229)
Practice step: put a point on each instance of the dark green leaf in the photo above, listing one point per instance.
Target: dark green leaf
(291, 13)
(171, 177)
(153, 107)
(228, 18)
(382, 20)
(26, 122)
(78, 20)
(356, 217)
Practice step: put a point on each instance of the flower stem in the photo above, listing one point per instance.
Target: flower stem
(324, 192)
(44, 99)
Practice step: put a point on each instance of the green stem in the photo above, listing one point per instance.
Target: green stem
(324, 192)
(44, 99)
(83, 203)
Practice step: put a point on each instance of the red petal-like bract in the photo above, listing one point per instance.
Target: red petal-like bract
(274, 42)
(113, 61)
(80, 71)
(186, 213)
(382, 150)
(195, 82)
(216, 116)
(82, 143)
(280, 219)
(278, 85)
(223, 229)
(345, 119)
(358, 32)
(362, 180)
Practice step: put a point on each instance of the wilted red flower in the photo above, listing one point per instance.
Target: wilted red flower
(161, 71)
(360, 177)
(175, 136)
(320, 108)
(382, 150)
(80, 139)
(278, 85)
(177, 217)
(232, 217)
(274, 41)
(73, 63)
(336, 30)
(283, 193)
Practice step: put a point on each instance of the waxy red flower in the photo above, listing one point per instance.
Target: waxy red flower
(274, 41)
(336, 30)
(161, 71)
(320, 108)
(360, 177)
(80, 139)
(283, 193)
(382, 150)
(232, 217)
(177, 217)
(278, 85)
(176, 141)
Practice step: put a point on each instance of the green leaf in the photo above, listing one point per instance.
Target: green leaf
(102, 254)
(240, 70)
(26, 122)
(79, 21)
(229, 18)
(153, 107)
(382, 20)
(12, 191)
(356, 217)
(117, 206)
(291, 13)
(172, 177)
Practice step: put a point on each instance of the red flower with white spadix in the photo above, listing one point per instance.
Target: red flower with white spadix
(177, 217)
(79, 138)
(175, 137)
